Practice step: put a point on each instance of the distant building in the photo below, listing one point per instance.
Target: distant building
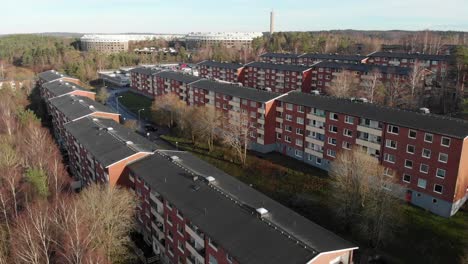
(118, 43)
(223, 71)
(227, 39)
(119, 77)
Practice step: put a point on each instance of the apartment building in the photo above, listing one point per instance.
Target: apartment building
(223, 71)
(426, 155)
(281, 58)
(279, 78)
(60, 88)
(323, 74)
(254, 108)
(176, 83)
(99, 149)
(53, 75)
(237, 40)
(436, 63)
(69, 108)
(191, 212)
(310, 59)
(141, 80)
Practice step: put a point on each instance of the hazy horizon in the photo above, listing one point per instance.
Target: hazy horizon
(156, 16)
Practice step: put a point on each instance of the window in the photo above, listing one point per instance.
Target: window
(331, 153)
(408, 164)
(213, 244)
(428, 137)
(299, 131)
(300, 120)
(424, 168)
(412, 133)
(333, 116)
(346, 145)
(426, 153)
(289, 117)
(443, 157)
(393, 129)
(299, 142)
(391, 144)
(438, 188)
(389, 158)
(332, 141)
(388, 172)
(445, 142)
(333, 129)
(440, 173)
(180, 245)
(229, 258)
(253, 114)
(300, 109)
(422, 183)
(406, 178)
(410, 149)
(289, 106)
(287, 139)
(288, 128)
(253, 104)
(298, 153)
(348, 132)
(318, 161)
(278, 135)
(349, 119)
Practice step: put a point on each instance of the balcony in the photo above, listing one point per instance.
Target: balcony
(279, 119)
(278, 130)
(159, 228)
(261, 110)
(260, 131)
(234, 104)
(319, 118)
(314, 141)
(260, 141)
(261, 121)
(316, 129)
(196, 234)
(197, 251)
(370, 130)
(279, 109)
(314, 153)
(368, 144)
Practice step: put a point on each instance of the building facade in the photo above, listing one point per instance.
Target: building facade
(228, 72)
(310, 59)
(236, 40)
(279, 78)
(280, 58)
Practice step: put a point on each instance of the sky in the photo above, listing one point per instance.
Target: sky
(183, 16)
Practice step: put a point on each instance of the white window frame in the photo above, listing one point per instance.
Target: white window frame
(408, 166)
(437, 191)
(409, 133)
(442, 140)
(426, 157)
(346, 134)
(347, 119)
(440, 154)
(403, 179)
(414, 147)
(428, 134)
(387, 160)
(330, 141)
(390, 129)
(425, 183)
(437, 173)
(420, 168)
(389, 145)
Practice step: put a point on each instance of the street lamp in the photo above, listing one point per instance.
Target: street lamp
(117, 102)
(139, 120)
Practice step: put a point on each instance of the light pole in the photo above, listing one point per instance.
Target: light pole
(117, 102)
(139, 120)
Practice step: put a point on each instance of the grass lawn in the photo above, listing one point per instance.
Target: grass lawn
(423, 237)
(135, 102)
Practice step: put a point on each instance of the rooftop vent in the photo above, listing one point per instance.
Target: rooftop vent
(316, 92)
(61, 75)
(91, 107)
(261, 211)
(67, 84)
(110, 128)
(424, 110)
(80, 100)
(128, 142)
(95, 119)
(175, 158)
(60, 80)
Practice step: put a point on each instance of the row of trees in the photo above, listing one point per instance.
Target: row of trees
(41, 219)
(205, 125)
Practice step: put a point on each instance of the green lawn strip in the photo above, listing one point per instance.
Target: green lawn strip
(134, 102)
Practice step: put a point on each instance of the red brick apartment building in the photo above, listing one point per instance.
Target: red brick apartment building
(255, 106)
(438, 64)
(280, 58)
(426, 155)
(53, 75)
(100, 148)
(70, 107)
(60, 87)
(279, 78)
(223, 71)
(310, 59)
(323, 73)
(191, 212)
(141, 80)
(166, 82)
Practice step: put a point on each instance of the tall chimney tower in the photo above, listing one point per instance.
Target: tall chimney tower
(272, 22)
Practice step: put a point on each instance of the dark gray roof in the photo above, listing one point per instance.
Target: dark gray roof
(145, 70)
(51, 75)
(343, 57)
(280, 55)
(178, 76)
(59, 87)
(226, 65)
(236, 90)
(426, 122)
(108, 145)
(74, 106)
(402, 55)
(225, 211)
(281, 67)
(364, 67)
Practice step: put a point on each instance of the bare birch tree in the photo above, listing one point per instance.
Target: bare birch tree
(343, 85)
(236, 134)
